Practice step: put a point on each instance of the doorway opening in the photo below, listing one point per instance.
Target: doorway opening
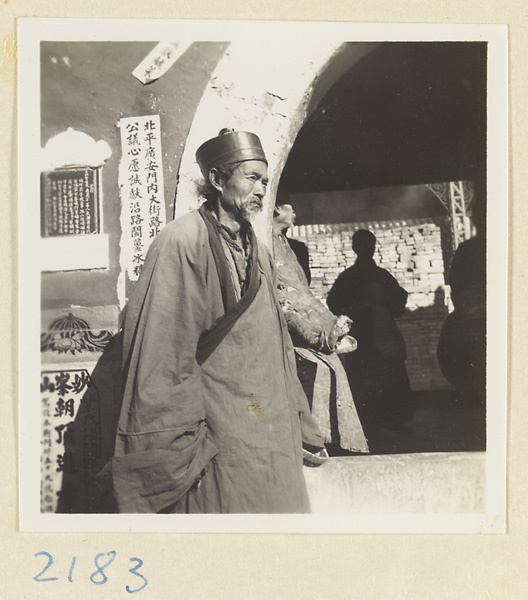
(398, 146)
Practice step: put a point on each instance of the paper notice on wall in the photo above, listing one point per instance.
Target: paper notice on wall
(159, 60)
(141, 188)
(70, 436)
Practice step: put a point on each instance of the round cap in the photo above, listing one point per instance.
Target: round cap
(229, 147)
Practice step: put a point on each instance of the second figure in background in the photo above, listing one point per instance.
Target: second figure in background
(318, 336)
(372, 298)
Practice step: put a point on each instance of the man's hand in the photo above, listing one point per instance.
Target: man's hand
(342, 326)
(346, 344)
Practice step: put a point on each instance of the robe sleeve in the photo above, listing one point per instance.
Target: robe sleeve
(311, 436)
(162, 443)
(310, 323)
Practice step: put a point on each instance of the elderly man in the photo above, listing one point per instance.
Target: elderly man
(213, 410)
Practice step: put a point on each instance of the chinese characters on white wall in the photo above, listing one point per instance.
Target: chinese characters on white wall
(159, 60)
(141, 186)
(70, 434)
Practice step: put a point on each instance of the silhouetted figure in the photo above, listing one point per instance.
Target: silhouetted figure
(372, 298)
(462, 344)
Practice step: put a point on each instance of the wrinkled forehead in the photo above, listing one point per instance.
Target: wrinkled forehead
(253, 167)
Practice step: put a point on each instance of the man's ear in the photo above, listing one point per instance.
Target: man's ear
(216, 179)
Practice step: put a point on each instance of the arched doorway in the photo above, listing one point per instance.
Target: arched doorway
(372, 154)
(270, 91)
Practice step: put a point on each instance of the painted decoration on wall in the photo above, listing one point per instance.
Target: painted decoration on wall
(70, 435)
(73, 334)
(70, 201)
(141, 188)
(72, 148)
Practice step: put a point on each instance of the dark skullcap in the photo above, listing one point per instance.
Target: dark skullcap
(229, 147)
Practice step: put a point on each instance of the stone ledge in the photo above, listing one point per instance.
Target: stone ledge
(437, 483)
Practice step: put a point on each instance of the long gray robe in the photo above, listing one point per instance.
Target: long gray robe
(216, 434)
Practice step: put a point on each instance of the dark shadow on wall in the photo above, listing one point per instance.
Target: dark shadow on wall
(89, 442)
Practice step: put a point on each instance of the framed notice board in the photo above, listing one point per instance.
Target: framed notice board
(70, 201)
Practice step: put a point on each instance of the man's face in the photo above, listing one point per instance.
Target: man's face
(286, 216)
(243, 191)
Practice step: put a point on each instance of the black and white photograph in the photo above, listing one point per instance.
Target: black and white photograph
(262, 276)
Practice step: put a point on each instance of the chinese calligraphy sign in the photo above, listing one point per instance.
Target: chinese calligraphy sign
(141, 186)
(70, 201)
(159, 60)
(70, 431)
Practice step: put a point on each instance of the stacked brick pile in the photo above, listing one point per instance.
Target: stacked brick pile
(412, 252)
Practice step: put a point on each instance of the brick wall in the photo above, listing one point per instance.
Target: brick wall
(412, 252)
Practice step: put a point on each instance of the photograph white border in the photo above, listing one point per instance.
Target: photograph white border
(30, 33)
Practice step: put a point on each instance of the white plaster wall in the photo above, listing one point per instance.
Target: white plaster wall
(267, 89)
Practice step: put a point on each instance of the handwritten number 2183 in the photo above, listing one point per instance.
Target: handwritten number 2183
(102, 561)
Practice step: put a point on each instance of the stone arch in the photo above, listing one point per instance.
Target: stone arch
(270, 90)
